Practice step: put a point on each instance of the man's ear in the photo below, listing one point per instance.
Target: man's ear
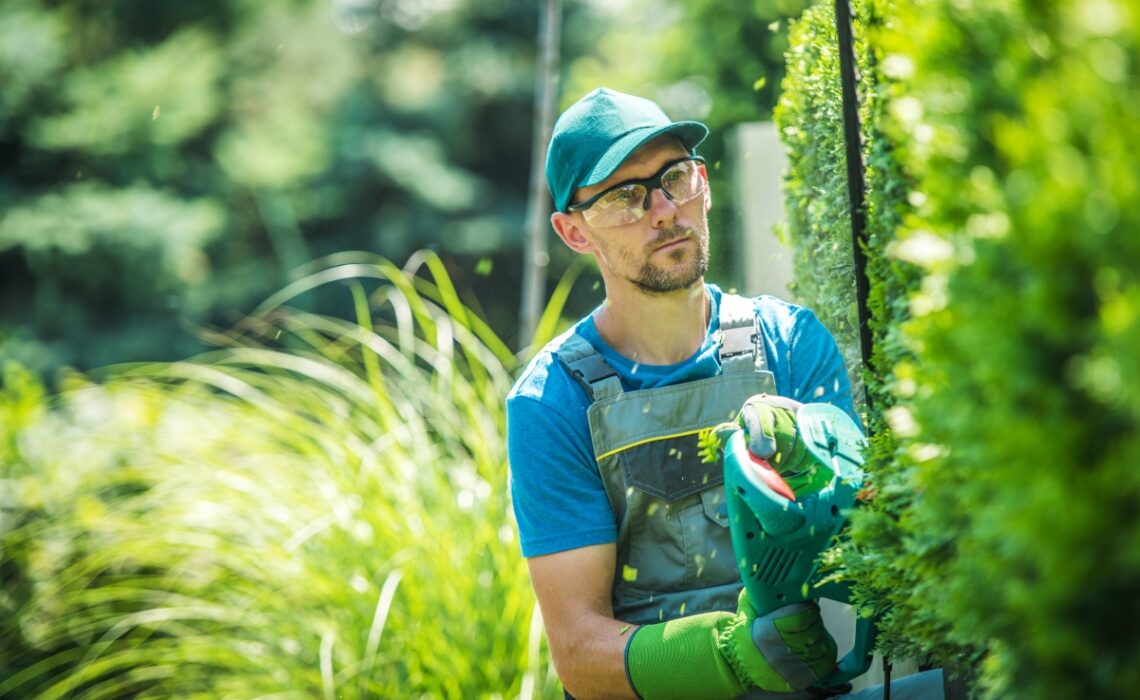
(570, 231)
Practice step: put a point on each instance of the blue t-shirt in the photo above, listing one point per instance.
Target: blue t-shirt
(559, 500)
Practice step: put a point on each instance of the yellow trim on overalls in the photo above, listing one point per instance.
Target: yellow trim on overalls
(647, 441)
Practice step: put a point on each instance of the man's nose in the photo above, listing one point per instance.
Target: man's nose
(662, 209)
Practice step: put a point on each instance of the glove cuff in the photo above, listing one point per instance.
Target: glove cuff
(628, 675)
(738, 648)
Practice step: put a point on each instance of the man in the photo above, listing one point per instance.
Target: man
(622, 523)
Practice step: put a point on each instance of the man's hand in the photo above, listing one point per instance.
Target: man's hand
(797, 650)
(772, 434)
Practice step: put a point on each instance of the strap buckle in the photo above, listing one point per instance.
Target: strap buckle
(737, 341)
(591, 369)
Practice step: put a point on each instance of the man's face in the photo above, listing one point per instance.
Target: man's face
(667, 249)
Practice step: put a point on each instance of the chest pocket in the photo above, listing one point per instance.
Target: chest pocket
(676, 518)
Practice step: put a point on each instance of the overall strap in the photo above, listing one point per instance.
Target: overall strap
(741, 348)
(589, 368)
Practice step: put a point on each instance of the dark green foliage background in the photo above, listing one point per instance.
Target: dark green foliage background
(1006, 380)
(171, 164)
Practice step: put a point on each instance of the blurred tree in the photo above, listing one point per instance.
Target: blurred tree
(165, 163)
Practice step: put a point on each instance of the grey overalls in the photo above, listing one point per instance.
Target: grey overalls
(674, 555)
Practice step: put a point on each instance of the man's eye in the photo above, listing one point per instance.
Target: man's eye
(678, 173)
(621, 196)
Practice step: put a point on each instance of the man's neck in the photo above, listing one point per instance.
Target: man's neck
(655, 329)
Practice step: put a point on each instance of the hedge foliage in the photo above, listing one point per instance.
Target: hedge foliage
(1007, 314)
(810, 119)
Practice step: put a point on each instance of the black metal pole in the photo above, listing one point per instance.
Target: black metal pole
(853, 136)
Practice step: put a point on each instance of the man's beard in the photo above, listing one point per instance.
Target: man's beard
(654, 280)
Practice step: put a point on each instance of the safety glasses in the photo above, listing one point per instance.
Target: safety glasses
(626, 202)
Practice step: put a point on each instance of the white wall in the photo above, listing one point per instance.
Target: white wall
(758, 162)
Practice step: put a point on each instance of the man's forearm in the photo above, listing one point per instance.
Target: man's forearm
(591, 659)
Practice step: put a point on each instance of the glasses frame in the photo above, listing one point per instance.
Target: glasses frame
(651, 183)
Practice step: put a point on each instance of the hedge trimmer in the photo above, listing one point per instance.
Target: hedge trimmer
(791, 473)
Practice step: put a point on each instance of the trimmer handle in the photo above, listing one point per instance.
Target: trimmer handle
(857, 661)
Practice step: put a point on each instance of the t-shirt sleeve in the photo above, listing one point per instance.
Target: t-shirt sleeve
(818, 374)
(559, 500)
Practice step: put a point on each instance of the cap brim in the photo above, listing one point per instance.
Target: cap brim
(691, 135)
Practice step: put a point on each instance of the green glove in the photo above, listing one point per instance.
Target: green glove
(720, 655)
(770, 429)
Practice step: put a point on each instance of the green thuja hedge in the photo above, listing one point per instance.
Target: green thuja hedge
(1007, 307)
(818, 220)
(809, 117)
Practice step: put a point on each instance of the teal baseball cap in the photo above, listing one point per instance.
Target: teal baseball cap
(595, 135)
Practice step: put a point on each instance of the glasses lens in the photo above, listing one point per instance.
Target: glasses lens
(618, 207)
(683, 181)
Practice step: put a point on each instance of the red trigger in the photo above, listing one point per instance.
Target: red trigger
(771, 477)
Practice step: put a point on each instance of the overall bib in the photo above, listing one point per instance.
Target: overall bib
(674, 554)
